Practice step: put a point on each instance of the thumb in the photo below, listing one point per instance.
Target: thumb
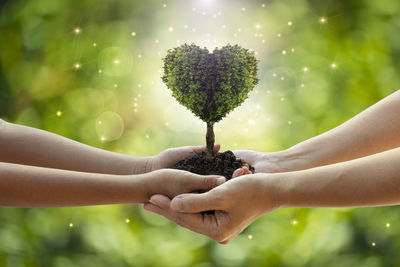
(194, 203)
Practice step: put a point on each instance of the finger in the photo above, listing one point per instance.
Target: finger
(237, 173)
(241, 171)
(194, 222)
(194, 203)
(199, 149)
(200, 182)
(160, 201)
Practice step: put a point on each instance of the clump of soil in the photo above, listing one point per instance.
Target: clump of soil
(223, 164)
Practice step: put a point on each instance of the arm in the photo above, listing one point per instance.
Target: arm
(370, 181)
(30, 146)
(28, 186)
(372, 131)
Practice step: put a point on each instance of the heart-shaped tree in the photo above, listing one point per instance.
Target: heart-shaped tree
(210, 84)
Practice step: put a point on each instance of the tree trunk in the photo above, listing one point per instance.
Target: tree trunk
(210, 140)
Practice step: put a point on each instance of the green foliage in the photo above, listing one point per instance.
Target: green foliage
(210, 84)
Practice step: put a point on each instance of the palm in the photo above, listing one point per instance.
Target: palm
(261, 162)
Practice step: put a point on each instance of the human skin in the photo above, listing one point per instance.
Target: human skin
(31, 186)
(354, 165)
(29, 146)
(42, 169)
(374, 130)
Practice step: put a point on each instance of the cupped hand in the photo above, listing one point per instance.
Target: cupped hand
(170, 182)
(237, 203)
(265, 162)
(170, 156)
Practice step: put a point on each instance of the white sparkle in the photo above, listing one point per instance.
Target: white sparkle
(333, 65)
(387, 225)
(250, 236)
(305, 69)
(94, 44)
(77, 66)
(58, 113)
(289, 23)
(127, 220)
(71, 225)
(116, 61)
(170, 29)
(133, 33)
(284, 52)
(322, 20)
(77, 30)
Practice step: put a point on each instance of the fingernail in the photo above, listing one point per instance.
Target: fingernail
(221, 180)
(176, 204)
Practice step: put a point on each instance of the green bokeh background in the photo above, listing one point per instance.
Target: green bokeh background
(66, 65)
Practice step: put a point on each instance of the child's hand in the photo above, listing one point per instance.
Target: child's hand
(170, 156)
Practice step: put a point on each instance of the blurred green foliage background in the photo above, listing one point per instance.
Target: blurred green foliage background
(67, 65)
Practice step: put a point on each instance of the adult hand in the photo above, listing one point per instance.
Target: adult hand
(237, 203)
(272, 162)
(170, 182)
(170, 156)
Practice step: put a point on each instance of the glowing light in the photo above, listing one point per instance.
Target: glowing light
(387, 225)
(139, 56)
(116, 61)
(279, 35)
(282, 78)
(219, 13)
(251, 122)
(239, 30)
(322, 20)
(77, 66)
(258, 26)
(102, 138)
(292, 50)
(194, 9)
(294, 222)
(289, 23)
(250, 236)
(71, 225)
(171, 29)
(164, 5)
(94, 44)
(282, 99)
(305, 69)
(100, 71)
(58, 113)
(147, 136)
(243, 9)
(333, 65)
(373, 244)
(185, 26)
(133, 33)
(284, 52)
(263, 5)
(262, 41)
(302, 85)
(77, 30)
(127, 221)
(115, 85)
(203, 13)
(289, 122)
(157, 41)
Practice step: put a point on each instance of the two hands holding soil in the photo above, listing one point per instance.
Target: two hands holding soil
(356, 164)
(353, 165)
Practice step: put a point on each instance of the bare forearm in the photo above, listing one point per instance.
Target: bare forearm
(28, 186)
(372, 131)
(370, 181)
(29, 146)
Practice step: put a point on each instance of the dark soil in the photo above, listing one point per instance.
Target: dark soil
(223, 164)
